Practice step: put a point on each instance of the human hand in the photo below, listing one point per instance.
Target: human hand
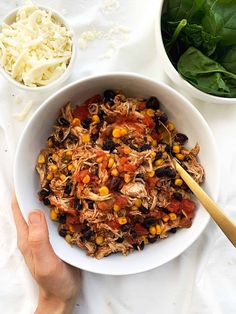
(58, 282)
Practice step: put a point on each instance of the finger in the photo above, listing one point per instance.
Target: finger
(38, 240)
(21, 225)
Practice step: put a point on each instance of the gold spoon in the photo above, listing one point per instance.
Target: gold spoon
(216, 213)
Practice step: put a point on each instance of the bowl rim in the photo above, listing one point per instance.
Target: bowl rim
(175, 76)
(214, 193)
(69, 68)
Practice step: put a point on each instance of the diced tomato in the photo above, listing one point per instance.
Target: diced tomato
(188, 207)
(94, 99)
(123, 160)
(106, 206)
(141, 231)
(185, 223)
(155, 135)
(81, 112)
(79, 177)
(113, 224)
(129, 167)
(72, 219)
(100, 153)
(104, 163)
(151, 182)
(174, 206)
(141, 105)
(149, 122)
(121, 201)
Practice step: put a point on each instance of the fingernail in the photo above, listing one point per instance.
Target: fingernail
(34, 218)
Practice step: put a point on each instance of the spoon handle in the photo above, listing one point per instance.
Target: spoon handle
(217, 214)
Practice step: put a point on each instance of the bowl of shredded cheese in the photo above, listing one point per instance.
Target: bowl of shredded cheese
(36, 48)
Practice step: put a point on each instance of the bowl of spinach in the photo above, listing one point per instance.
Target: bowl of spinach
(197, 43)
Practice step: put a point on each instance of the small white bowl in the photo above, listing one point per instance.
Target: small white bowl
(9, 19)
(175, 77)
(187, 120)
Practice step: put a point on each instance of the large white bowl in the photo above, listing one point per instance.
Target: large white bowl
(180, 111)
(173, 74)
(11, 18)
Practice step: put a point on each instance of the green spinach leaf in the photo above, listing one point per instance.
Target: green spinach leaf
(229, 59)
(206, 74)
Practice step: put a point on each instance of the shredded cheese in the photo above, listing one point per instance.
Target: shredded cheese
(36, 49)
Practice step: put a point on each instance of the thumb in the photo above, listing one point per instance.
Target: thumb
(38, 239)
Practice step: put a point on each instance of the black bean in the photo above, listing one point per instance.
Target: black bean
(164, 210)
(90, 204)
(181, 138)
(136, 246)
(158, 155)
(94, 169)
(62, 233)
(170, 172)
(78, 204)
(178, 196)
(168, 148)
(152, 239)
(63, 122)
(44, 193)
(94, 137)
(62, 219)
(72, 138)
(86, 123)
(149, 221)
(156, 119)
(173, 230)
(46, 201)
(109, 145)
(145, 147)
(68, 187)
(133, 234)
(139, 175)
(143, 209)
(136, 148)
(87, 235)
(101, 115)
(61, 135)
(141, 246)
(109, 95)
(120, 240)
(115, 183)
(160, 172)
(167, 171)
(85, 228)
(55, 142)
(163, 118)
(153, 103)
(126, 227)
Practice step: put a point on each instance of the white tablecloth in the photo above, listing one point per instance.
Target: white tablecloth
(203, 279)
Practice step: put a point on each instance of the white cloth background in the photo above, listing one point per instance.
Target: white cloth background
(203, 279)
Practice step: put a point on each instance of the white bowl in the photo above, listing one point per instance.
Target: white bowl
(9, 19)
(186, 118)
(175, 77)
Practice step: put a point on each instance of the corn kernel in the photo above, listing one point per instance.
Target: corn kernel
(71, 228)
(170, 126)
(62, 177)
(68, 238)
(99, 159)
(104, 190)
(116, 133)
(180, 156)
(110, 162)
(56, 210)
(123, 132)
(172, 216)
(178, 182)
(166, 218)
(151, 174)
(138, 202)
(53, 168)
(127, 178)
(134, 208)
(150, 112)
(53, 214)
(99, 240)
(86, 179)
(127, 150)
(50, 143)
(54, 157)
(69, 153)
(49, 177)
(116, 207)
(158, 229)
(96, 118)
(41, 159)
(114, 173)
(76, 122)
(152, 230)
(149, 138)
(159, 162)
(176, 149)
(85, 138)
(122, 220)
(153, 154)
(154, 143)
(70, 167)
